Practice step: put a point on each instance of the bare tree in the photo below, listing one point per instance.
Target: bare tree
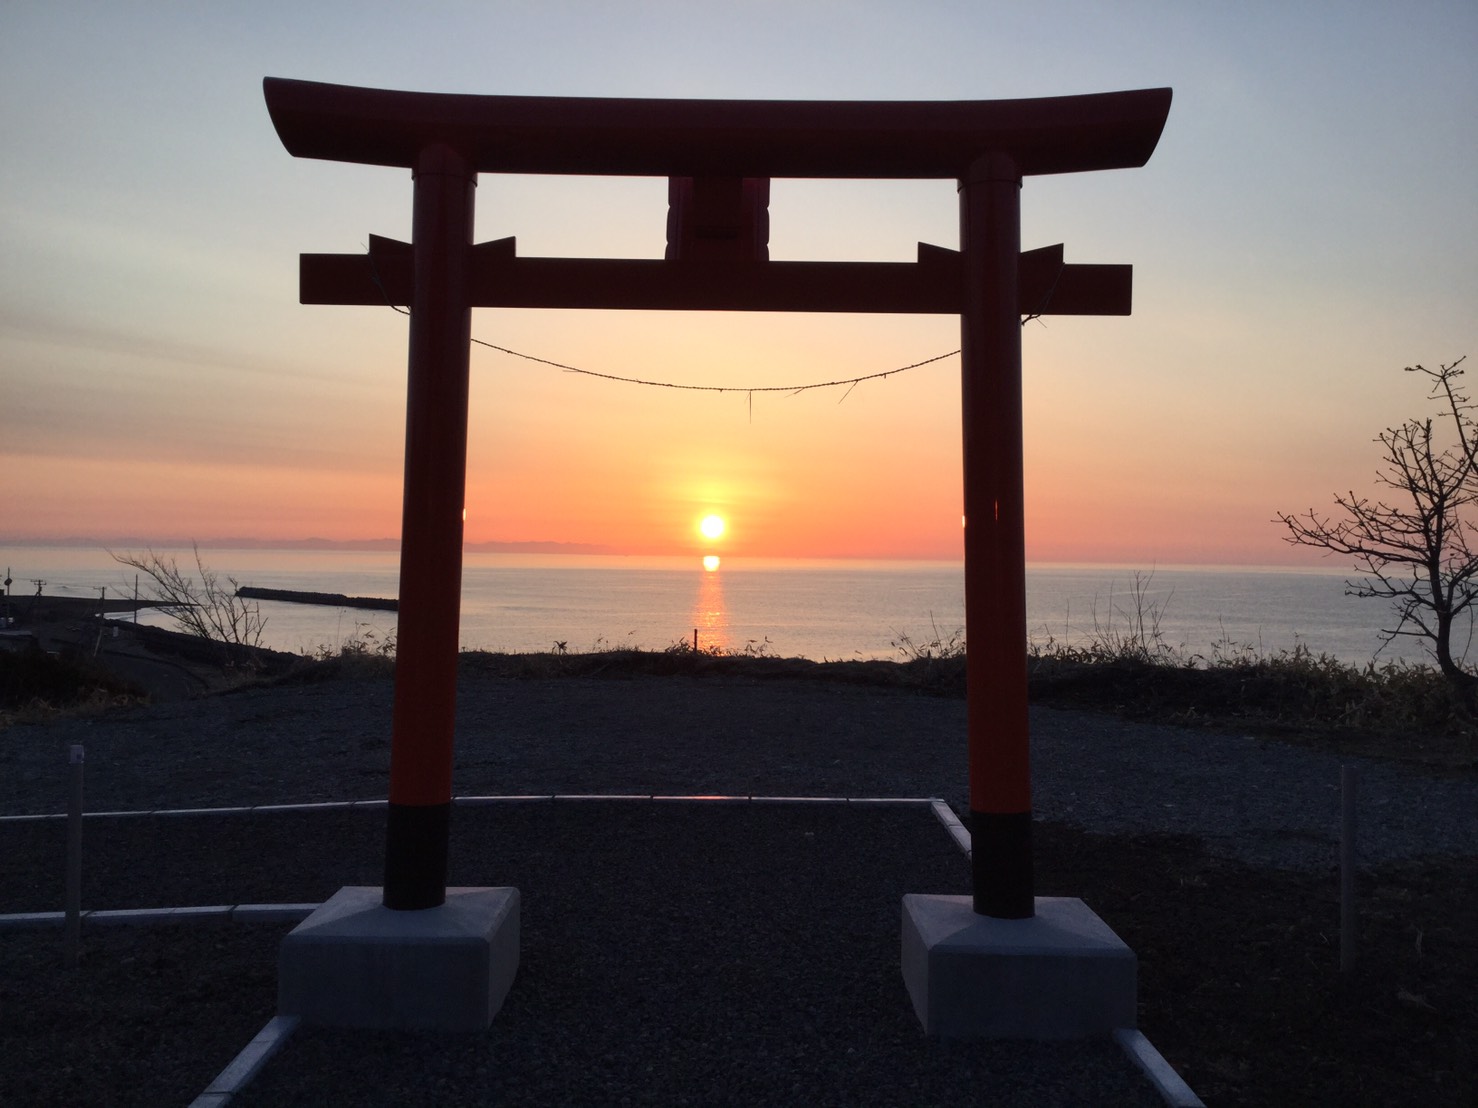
(206, 608)
(1418, 553)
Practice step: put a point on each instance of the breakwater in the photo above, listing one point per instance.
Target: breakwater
(327, 599)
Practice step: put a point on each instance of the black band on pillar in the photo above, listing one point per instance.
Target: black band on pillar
(415, 855)
(1001, 864)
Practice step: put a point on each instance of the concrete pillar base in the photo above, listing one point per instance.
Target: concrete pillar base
(1063, 974)
(356, 963)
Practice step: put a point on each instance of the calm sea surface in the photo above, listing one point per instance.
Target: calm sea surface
(813, 609)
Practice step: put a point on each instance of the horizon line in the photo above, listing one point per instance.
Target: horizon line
(551, 546)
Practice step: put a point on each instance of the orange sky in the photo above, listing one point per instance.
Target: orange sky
(158, 378)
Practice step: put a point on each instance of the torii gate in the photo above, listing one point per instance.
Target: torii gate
(718, 157)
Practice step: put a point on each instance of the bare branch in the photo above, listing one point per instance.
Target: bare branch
(1445, 387)
(1414, 552)
(208, 609)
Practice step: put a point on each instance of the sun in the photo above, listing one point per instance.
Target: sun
(712, 526)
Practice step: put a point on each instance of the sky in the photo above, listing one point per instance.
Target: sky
(1307, 227)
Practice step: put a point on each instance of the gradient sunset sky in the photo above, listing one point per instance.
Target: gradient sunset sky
(1307, 227)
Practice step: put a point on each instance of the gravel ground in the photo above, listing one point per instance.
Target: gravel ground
(616, 1003)
(756, 964)
(1266, 803)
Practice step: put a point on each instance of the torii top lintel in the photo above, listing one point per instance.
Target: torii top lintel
(718, 138)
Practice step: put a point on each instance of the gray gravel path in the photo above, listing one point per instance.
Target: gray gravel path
(1259, 801)
(1263, 802)
(670, 953)
(1267, 803)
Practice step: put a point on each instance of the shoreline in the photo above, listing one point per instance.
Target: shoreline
(815, 608)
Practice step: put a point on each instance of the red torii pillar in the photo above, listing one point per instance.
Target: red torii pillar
(995, 541)
(432, 515)
(728, 149)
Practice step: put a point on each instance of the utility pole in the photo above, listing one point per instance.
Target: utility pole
(97, 647)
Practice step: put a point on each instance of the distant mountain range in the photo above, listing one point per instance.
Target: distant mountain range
(132, 542)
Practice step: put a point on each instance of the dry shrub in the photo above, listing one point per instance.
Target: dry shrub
(36, 686)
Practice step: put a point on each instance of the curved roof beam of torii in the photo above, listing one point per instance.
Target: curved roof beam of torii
(728, 138)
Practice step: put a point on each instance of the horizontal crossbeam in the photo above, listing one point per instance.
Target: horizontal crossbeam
(718, 138)
(931, 286)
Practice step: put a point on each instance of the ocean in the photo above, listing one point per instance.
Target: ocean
(796, 608)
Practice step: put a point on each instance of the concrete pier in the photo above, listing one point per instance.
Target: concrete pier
(356, 963)
(1060, 974)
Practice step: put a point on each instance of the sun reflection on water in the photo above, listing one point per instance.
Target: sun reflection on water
(710, 616)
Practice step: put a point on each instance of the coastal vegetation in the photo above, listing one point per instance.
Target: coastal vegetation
(35, 685)
(1122, 663)
(1395, 709)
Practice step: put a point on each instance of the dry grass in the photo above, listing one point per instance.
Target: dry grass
(1123, 665)
(36, 687)
(1396, 710)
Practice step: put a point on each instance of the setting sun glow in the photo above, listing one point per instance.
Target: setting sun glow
(162, 382)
